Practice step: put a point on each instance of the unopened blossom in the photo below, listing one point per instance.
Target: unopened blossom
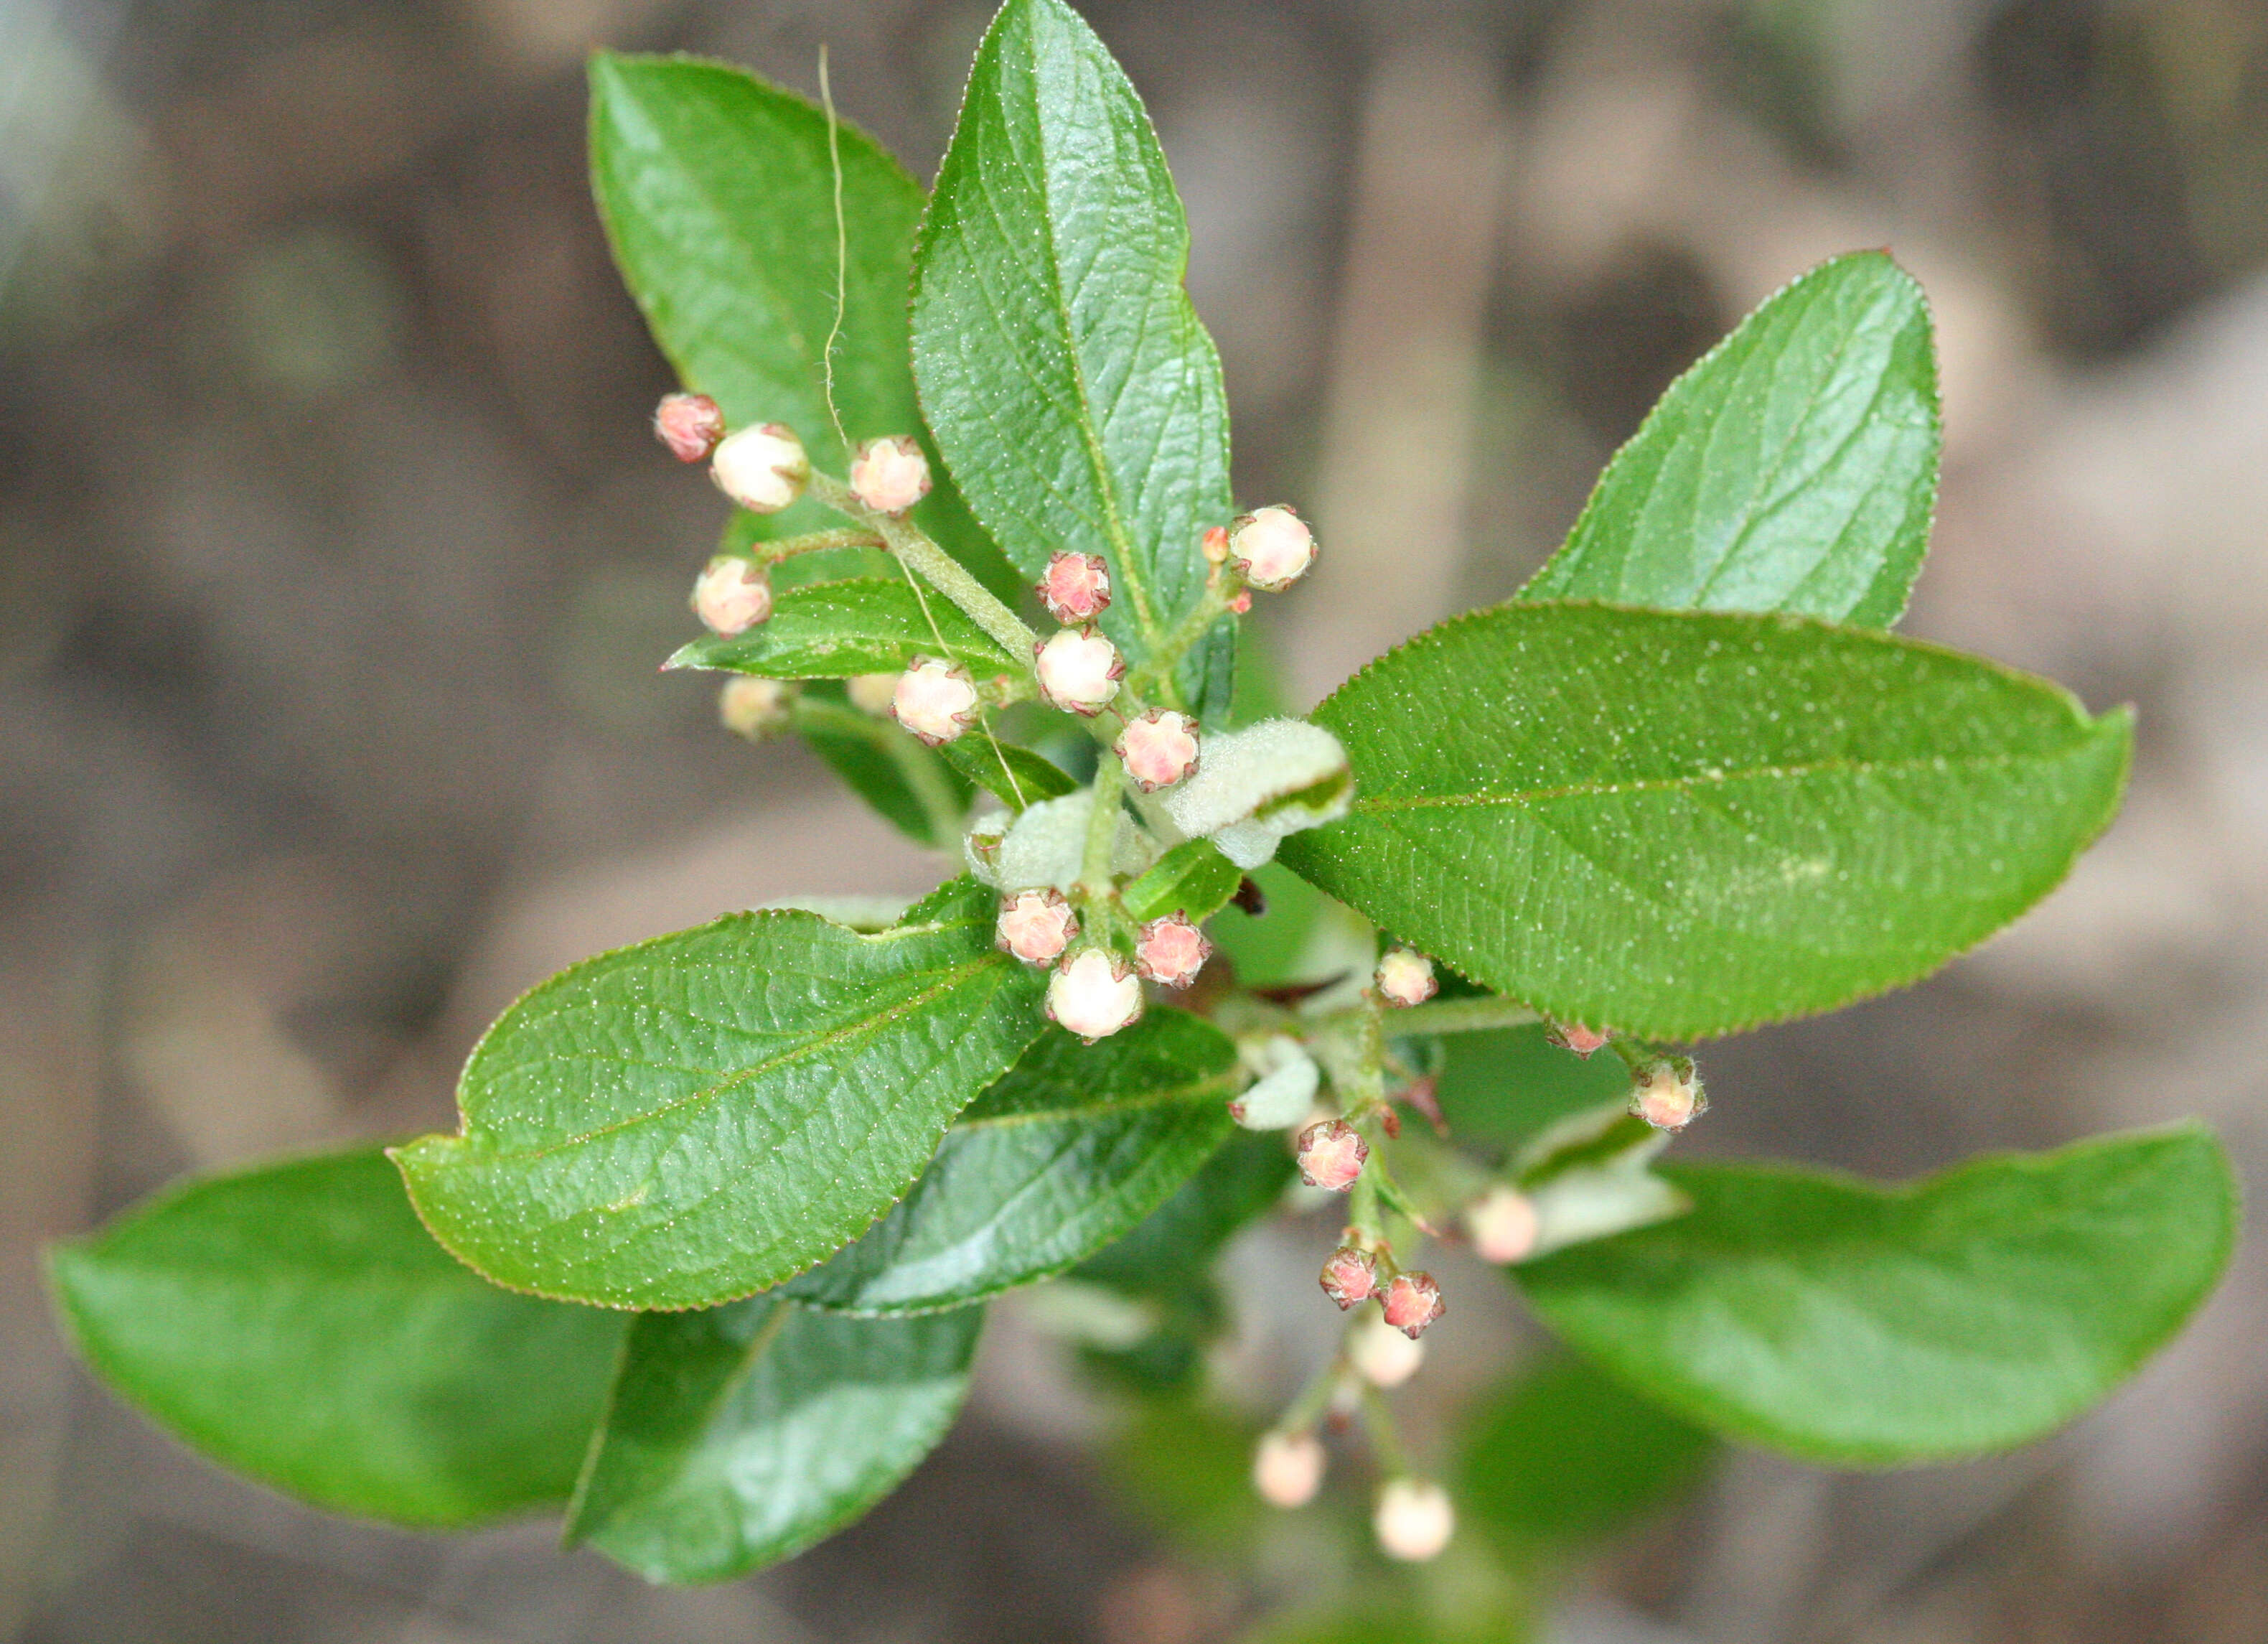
(1158, 748)
(1215, 544)
(1287, 1467)
(1036, 926)
(1171, 951)
(1272, 547)
(1668, 1095)
(1243, 602)
(936, 701)
(1078, 670)
(1411, 1302)
(756, 708)
(732, 594)
(872, 693)
(889, 476)
(1381, 1354)
(1414, 1520)
(762, 468)
(1405, 977)
(1350, 1275)
(1569, 1036)
(1332, 1155)
(1503, 1225)
(1075, 588)
(1093, 994)
(690, 425)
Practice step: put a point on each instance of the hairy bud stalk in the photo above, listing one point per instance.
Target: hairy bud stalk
(1075, 588)
(762, 468)
(889, 476)
(1036, 926)
(936, 701)
(1093, 994)
(1287, 1467)
(1158, 748)
(1332, 1155)
(1414, 1520)
(731, 596)
(690, 425)
(1078, 670)
(1405, 977)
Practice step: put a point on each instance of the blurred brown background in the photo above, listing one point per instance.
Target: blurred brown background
(335, 559)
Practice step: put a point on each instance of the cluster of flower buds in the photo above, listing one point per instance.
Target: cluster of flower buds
(1413, 1519)
(1503, 1225)
(1036, 926)
(1405, 977)
(1094, 993)
(1078, 670)
(1287, 1467)
(756, 708)
(889, 476)
(935, 700)
(1158, 748)
(1667, 1093)
(731, 596)
(1331, 1153)
(762, 468)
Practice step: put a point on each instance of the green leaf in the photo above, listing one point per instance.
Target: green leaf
(1072, 387)
(1680, 823)
(1241, 1182)
(295, 1323)
(835, 630)
(697, 1117)
(1565, 1455)
(1867, 1326)
(1793, 468)
(1017, 777)
(1066, 1152)
(717, 191)
(919, 793)
(1193, 878)
(739, 1436)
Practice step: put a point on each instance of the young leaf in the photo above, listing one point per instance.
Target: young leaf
(1793, 468)
(739, 1436)
(1863, 1326)
(1182, 1236)
(1068, 1151)
(860, 625)
(717, 195)
(1193, 878)
(1071, 385)
(697, 1117)
(1565, 1455)
(1682, 824)
(295, 1323)
(920, 793)
(1016, 777)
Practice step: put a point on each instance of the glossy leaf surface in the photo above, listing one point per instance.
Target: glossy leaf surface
(1680, 824)
(700, 1117)
(858, 625)
(295, 1323)
(1863, 1326)
(1794, 468)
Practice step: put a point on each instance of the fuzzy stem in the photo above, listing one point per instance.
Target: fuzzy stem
(935, 566)
(782, 548)
(1460, 1016)
(1094, 875)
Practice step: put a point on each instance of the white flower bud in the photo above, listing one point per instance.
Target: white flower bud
(1285, 1091)
(1414, 1520)
(756, 708)
(1171, 951)
(1093, 995)
(889, 476)
(873, 693)
(1381, 1354)
(762, 468)
(1405, 977)
(1036, 926)
(936, 701)
(1078, 670)
(1668, 1095)
(1158, 748)
(1503, 1224)
(690, 425)
(732, 594)
(1075, 588)
(1272, 547)
(1287, 1467)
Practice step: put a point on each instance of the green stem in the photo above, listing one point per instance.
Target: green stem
(813, 542)
(1094, 875)
(1460, 1016)
(935, 567)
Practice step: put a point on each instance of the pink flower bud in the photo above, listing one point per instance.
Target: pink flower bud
(756, 708)
(1350, 1276)
(1668, 1095)
(1093, 995)
(1381, 1354)
(1159, 749)
(1215, 544)
(762, 468)
(1241, 603)
(1272, 547)
(1414, 1520)
(1581, 1040)
(889, 476)
(1503, 1224)
(1171, 951)
(1405, 977)
(1075, 588)
(1332, 1154)
(1411, 1302)
(1078, 670)
(690, 425)
(1036, 926)
(732, 594)
(873, 693)
(936, 701)
(1287, 1469)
